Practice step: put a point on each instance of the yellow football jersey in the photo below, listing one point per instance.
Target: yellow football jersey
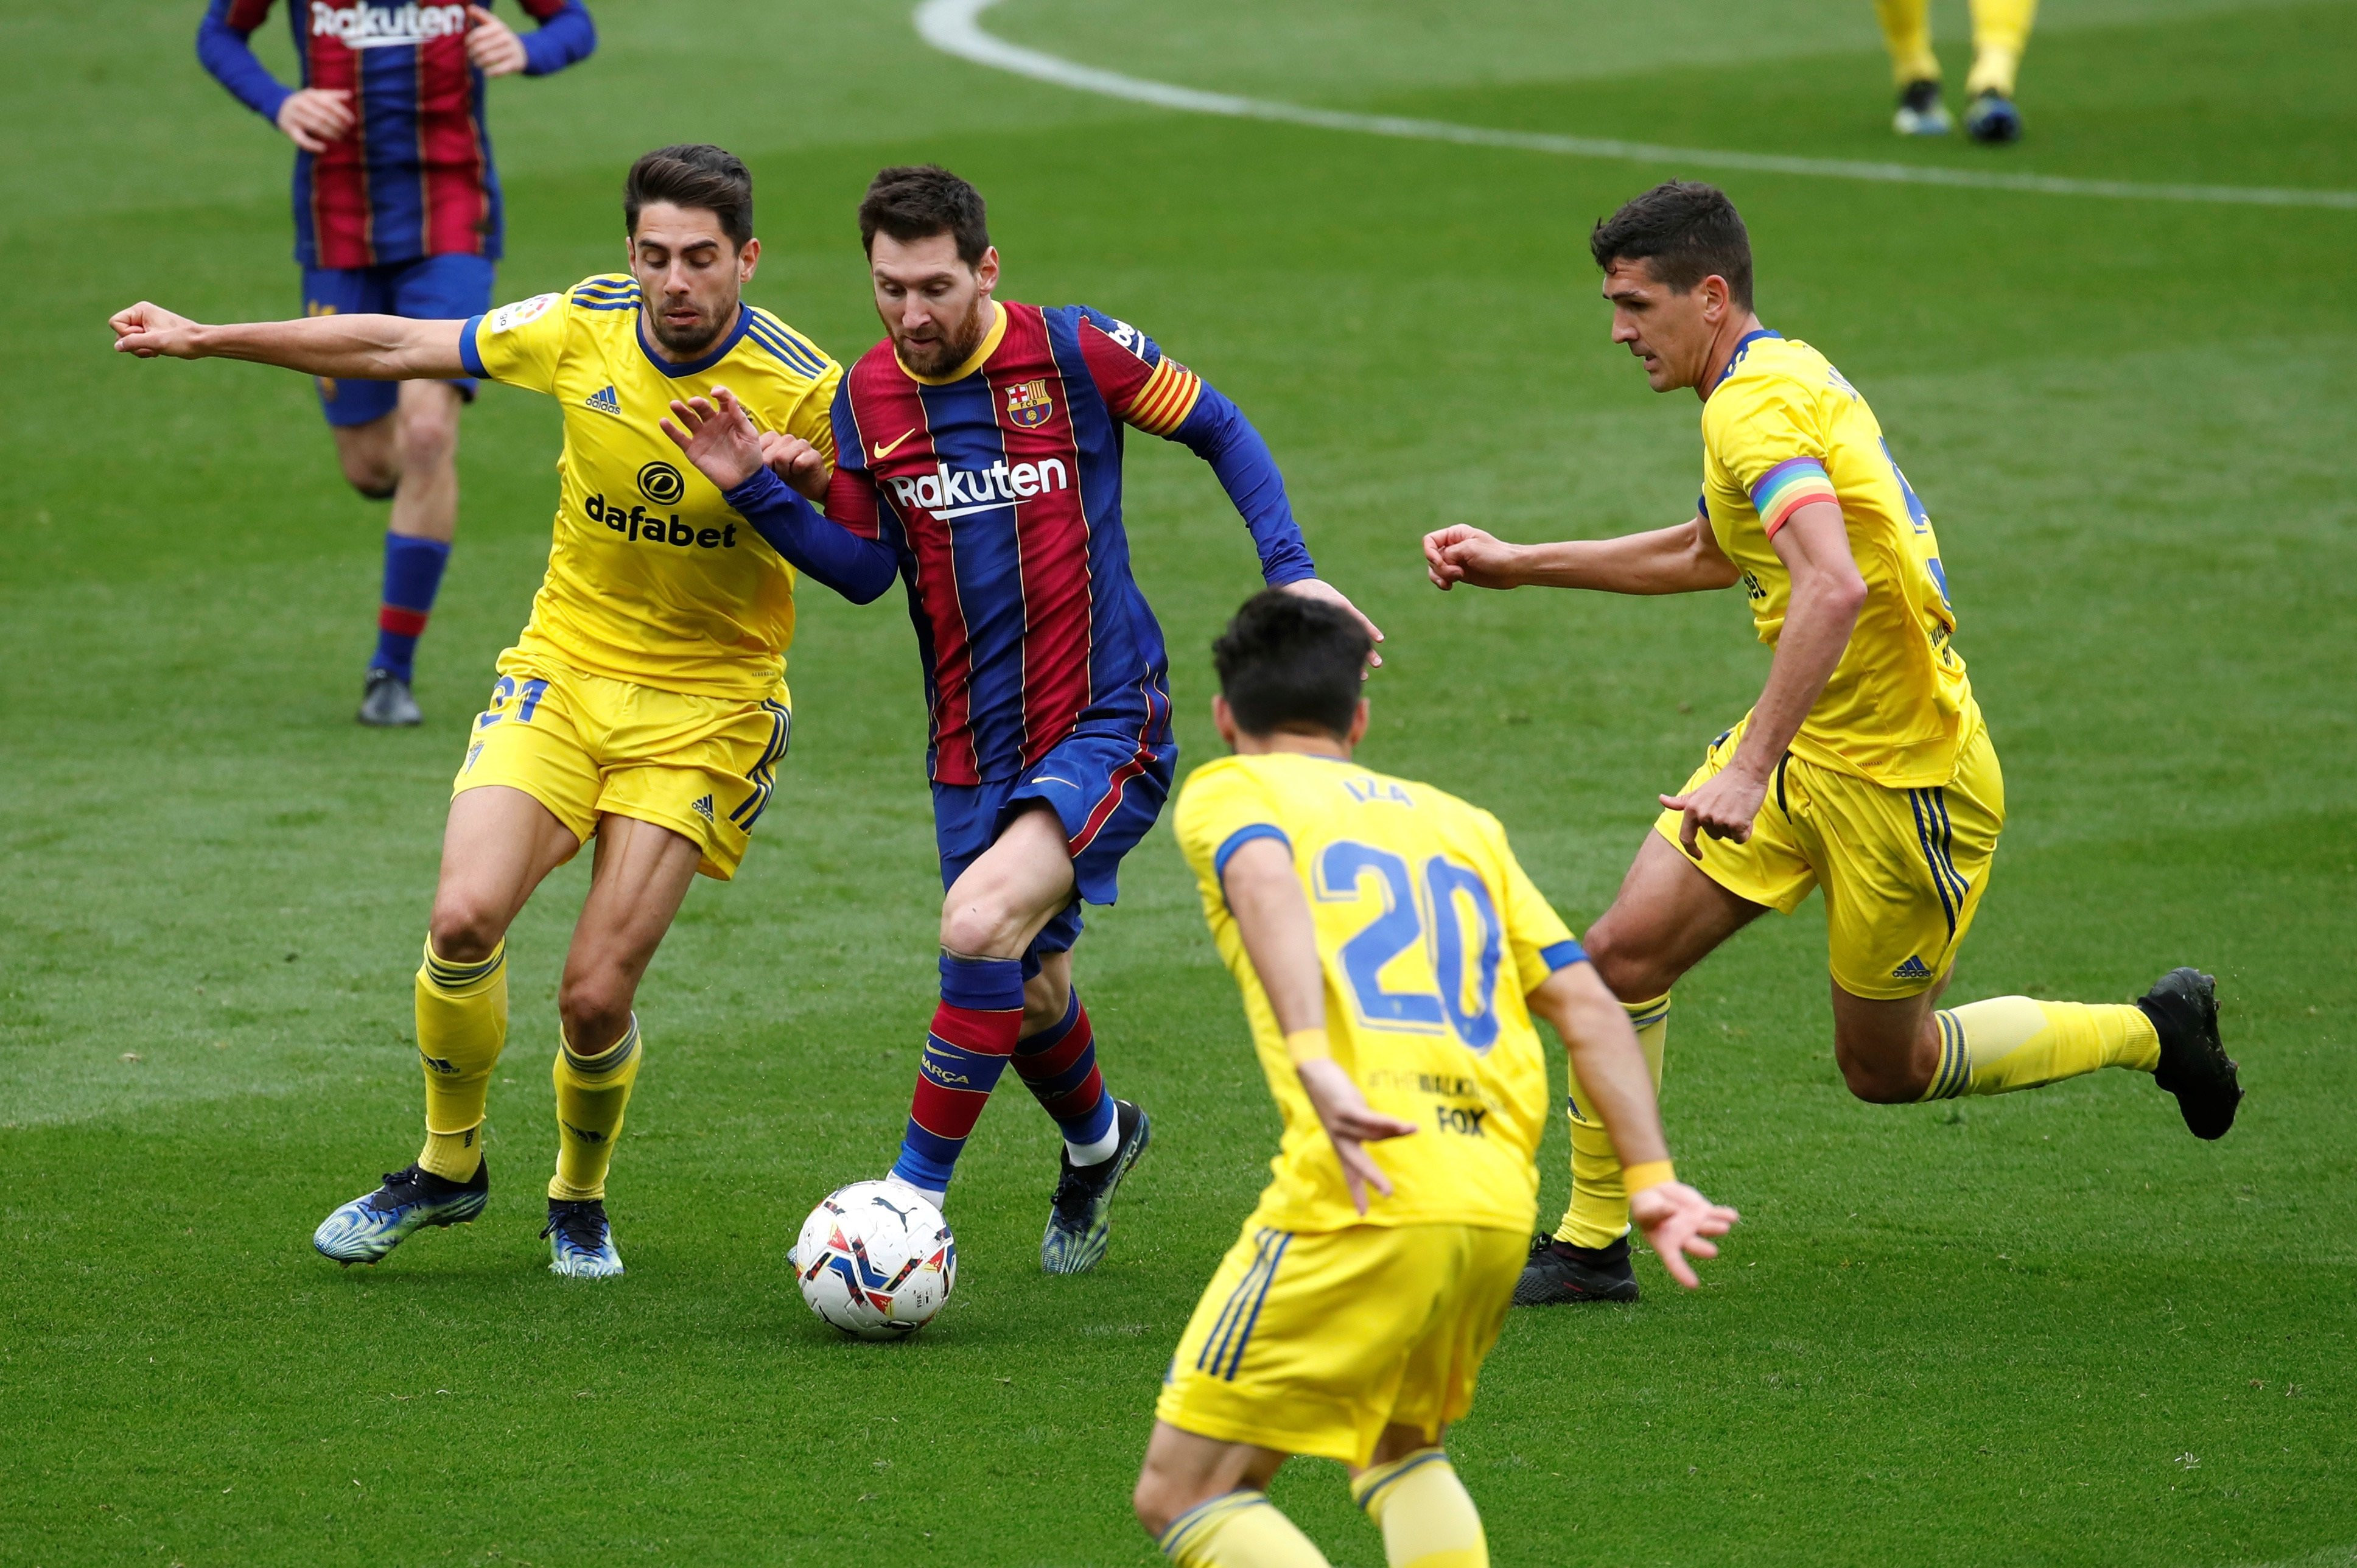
(1782, 429)
(652, 578)
(1431, 936)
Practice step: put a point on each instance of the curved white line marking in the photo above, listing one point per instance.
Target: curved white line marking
(955, 26)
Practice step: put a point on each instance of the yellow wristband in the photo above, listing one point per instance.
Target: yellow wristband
(1635, 1179)
(1308, 1046)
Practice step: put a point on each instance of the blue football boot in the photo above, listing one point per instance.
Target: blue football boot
(366, 1228)
(1080, 1221)
(580, 1242)
(1992, 119)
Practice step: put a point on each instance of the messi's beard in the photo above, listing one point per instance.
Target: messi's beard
(951, 348)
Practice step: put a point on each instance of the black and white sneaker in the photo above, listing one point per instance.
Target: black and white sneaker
(1559, 1273)
(385, 702)
(1919, 112)
(1080, 1220)
(2194, 1065)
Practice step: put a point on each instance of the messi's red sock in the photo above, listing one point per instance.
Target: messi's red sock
(1060, 1066)
(973, 1035)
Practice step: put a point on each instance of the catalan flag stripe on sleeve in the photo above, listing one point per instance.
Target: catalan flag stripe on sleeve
(1787, 487)
(1165, 400)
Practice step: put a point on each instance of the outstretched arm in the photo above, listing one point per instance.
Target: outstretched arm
(1681, 560)
(1272, 916)
(1217, 431)
(365, 347)
(751, 469)
(1610, 1068)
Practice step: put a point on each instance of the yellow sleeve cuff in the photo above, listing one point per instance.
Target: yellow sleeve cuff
(1635, 1179)
(1308, 1046)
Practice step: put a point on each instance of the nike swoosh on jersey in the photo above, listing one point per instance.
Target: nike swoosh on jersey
(883, 451)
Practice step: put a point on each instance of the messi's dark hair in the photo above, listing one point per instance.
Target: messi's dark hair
(693, 175)
(1290, 663)
(1686, 231)
(916, 201)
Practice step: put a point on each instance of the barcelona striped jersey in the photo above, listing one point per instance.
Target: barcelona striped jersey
(1781, 429)
(999, 486)
(415, 177)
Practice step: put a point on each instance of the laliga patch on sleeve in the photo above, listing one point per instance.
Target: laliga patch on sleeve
(508, 316)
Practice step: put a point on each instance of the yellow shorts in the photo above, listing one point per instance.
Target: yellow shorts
(1903, 870)
(584, 745)
(1314, 1342)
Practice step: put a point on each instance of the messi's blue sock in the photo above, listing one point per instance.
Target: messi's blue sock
(973, 1035)
(1060, 1066)
(412, 573)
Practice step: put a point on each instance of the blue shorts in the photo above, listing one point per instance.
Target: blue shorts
(431, 288)
(1106, 789)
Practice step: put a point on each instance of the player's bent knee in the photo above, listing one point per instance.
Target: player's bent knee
(428, 441)
(1157, 1499)
(596, 1009)
(1628, 972)
(1879, 1081)
(980, 929)
(464, 931)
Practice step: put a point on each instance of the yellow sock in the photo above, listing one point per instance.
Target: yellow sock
(2000, 32)
(1428, 1520)
(592, 1091)
(1907, 33)
(1598, 1215)
(462, 1024)
(2012, 1042)
(1241, 1529)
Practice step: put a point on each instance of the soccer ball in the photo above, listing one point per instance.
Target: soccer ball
(876, 1260)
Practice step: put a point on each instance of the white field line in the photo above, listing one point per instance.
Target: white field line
(955, 26)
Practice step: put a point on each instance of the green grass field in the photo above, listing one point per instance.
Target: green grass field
(2045, 1329)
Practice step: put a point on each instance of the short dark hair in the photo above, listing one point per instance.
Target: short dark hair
(916, 201)
(1688, 230)
(693, 175)
(1288, 662)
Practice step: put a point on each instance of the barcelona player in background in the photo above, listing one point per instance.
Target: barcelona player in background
(978, 452)
(2000, 32)
(397, 212)
(1863, 768)
(1391, 955)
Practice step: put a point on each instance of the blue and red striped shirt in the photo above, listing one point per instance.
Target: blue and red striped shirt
(999, 489)
(415, 177)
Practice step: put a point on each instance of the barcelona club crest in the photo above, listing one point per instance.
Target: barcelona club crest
(1028, 404)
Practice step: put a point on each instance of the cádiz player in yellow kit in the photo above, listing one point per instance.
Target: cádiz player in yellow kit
(1863, 768)
(1391, 954)
(645, 704)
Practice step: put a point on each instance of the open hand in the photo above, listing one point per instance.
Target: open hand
(1350, 1123)
(717, 436)
(1674, 1218)
(150, 330)
(492, 45)
(1463, 553)
(797, 462)
(1313, 588)
(316, 116)
(1724, 806)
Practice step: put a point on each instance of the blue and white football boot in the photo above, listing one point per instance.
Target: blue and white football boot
(1919, 111)
(1080, 1221)
(580, 1242)
(1993, 121)
(366, 1228)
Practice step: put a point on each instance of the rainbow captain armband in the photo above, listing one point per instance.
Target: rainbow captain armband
(1787, 487)
(1308, 1046)
(1635, 1179)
